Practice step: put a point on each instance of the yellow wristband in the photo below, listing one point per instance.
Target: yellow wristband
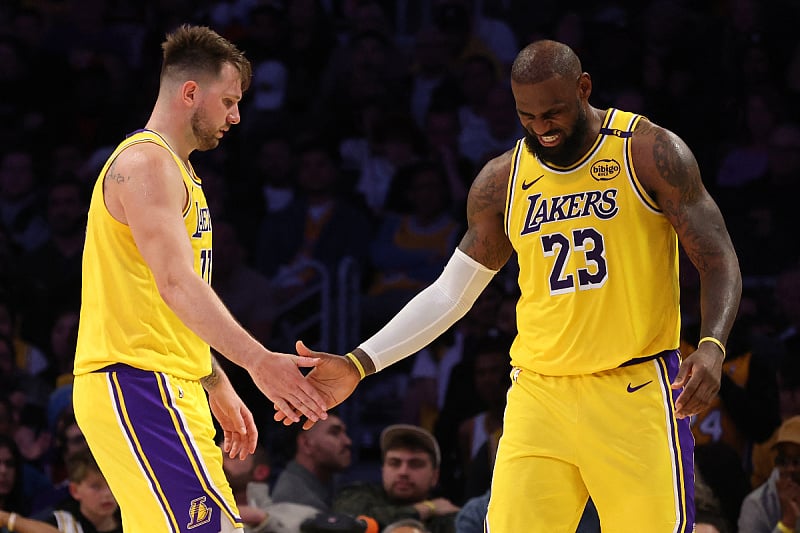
(715, 341)
(783, 528)
(12, 521)
(356, 362)
(430, 505)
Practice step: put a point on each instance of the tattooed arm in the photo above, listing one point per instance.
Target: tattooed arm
(216, 376)
(669, 172)
(485, 240)
(237, 423)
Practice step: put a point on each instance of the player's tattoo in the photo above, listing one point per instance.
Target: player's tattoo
(667, 162)
(484, 239)
(484, 249)
(484, 195)
(686, 209)
(211, 380)
(116, 176)
(676, 166)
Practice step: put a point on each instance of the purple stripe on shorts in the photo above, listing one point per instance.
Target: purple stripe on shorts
(193, 450)
(152, 424)
(120, 409)
(684, 453)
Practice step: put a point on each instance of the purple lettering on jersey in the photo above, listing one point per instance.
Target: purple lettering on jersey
(203, 221)
(602, 204)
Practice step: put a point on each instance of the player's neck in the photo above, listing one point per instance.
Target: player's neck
(169, 127)
(172, 140)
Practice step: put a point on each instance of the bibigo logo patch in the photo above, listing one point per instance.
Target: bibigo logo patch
(605, 169)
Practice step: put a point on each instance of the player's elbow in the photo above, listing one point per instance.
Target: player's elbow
(172, 287)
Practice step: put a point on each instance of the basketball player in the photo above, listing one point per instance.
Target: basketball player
(594, 202)
(143, 365)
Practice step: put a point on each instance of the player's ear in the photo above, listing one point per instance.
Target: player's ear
(584, 86)
(189, 92)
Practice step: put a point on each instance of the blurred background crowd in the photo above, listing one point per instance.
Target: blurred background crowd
(342, 193)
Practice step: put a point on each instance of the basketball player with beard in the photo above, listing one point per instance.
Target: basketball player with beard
(146, 384)
(595, 203)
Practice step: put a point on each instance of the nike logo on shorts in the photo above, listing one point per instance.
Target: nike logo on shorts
(637, 387)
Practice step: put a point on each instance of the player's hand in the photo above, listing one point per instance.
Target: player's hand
(238, 427)
(699, 375)
(280, 379)
(334, 378)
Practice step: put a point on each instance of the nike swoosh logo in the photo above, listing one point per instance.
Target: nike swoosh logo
(526, 186)
(637, 387)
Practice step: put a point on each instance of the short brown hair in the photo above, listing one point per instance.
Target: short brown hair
(197, 50)
(80, 464)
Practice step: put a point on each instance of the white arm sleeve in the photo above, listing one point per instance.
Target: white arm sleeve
(431, 312)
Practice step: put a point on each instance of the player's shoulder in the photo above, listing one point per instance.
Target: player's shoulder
(143, 161)
(494, 175)
(648, 135)
(491, 184)
(658, 154)
(655, 144)
(499, 166)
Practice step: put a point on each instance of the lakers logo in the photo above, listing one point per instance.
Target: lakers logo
(203, 221)
(542, 210)
(199, 513)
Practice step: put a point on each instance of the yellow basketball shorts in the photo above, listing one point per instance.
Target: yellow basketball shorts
(612, 435)
(153, 438)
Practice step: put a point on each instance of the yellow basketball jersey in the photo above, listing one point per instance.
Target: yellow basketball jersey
(598, 261)
(123, 317)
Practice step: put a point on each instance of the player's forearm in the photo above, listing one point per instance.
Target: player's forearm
(708, 245)
(201, 310)
(720, 292)
(427, 315)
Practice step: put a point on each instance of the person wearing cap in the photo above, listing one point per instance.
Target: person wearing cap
(410, 471)
(774, 507)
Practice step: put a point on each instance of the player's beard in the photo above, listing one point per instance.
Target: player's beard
(204, 132)
(570, 148)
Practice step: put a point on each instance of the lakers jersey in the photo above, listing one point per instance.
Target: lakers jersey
(598, 260)
(123, 317)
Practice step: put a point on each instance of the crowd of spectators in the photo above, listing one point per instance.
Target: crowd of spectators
(359, 139)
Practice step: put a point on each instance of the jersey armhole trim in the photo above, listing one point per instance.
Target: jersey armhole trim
(515, 159)
(641, 193)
